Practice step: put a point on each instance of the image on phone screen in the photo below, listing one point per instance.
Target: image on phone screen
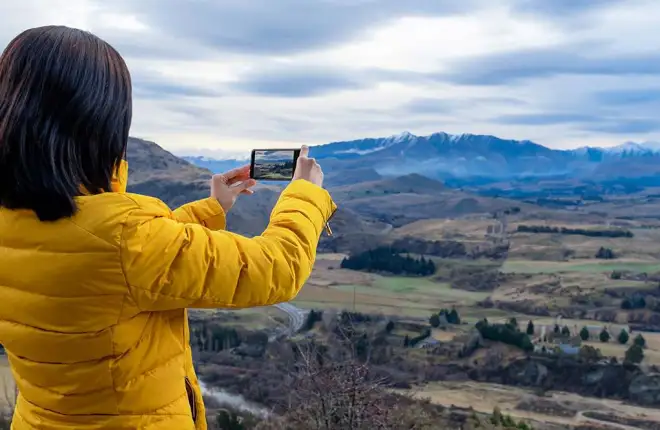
(273, 164)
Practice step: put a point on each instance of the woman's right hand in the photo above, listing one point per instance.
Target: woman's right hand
(308, 169)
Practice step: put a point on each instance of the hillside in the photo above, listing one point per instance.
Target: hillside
(367, 209)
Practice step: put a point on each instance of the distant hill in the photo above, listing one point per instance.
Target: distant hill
(473, 157)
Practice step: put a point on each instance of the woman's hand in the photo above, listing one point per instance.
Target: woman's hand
(227, 186)
(308, 169)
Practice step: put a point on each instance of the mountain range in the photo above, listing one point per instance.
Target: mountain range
(468, 156)
(370, 206)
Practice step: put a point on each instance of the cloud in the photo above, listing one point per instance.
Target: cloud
(164, 89)
(561, 8)
(428, 105)
(276, 27)
(546, 119)
(508, 68)
(627, 126)
(234, 74)
(627, 97)
(298, 82)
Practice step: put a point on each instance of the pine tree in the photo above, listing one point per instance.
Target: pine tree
(453, 317)
(565, 331)
(639, 340)
(530, 328)
(434, 320)
(584, 334)
(604, 335)
(623, 337)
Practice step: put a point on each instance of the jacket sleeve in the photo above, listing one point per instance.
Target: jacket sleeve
(207, 212)
(169, 264)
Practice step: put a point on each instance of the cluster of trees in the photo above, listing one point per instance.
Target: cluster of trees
(634, 354)
(411, 342)
(575, 231)
(605, 254)
(388, 259)
(445, 316)
(215, 338)
(506, 333)
(636, 301)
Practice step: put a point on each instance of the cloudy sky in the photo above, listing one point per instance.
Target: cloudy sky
(231, 75)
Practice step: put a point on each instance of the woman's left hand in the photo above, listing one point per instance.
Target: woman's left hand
(226, 187)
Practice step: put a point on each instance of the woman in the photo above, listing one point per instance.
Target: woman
(95, 281)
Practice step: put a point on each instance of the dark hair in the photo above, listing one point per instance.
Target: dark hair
(65, 114)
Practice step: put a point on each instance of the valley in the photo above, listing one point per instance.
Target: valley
(564, 265)
(490, 264)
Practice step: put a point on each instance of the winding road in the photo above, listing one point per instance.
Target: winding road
(296, 316)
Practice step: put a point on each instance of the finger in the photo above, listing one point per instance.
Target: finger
(247, 192)
(243, 186)
(304, 151)
(239, 172)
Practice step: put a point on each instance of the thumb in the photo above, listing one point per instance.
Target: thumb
(243, 186)
(304, 151)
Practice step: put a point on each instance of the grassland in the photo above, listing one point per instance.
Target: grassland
(484, 397)
(331, 287)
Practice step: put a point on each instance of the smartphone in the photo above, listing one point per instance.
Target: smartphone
(273, 164)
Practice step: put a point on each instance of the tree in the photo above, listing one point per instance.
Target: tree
(605, 254)
(623, 337)
(604, 335)
(513, 323)
(406, 342)
(453, 317)
(635, 354)
(390, 326)
(584, 334)
(530, 328)
(557, 329)
(640, 341)
(434, 320)
(626, 304)
(565, 331)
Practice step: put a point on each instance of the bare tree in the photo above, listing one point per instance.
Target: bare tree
(339, 392)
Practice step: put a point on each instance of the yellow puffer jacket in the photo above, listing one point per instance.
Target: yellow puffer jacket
(92, 308)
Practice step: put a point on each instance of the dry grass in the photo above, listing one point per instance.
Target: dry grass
(483, 397)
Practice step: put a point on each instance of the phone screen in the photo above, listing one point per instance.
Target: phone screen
(273, 164)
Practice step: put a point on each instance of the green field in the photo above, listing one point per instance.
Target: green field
(530, 266)
(395, 295)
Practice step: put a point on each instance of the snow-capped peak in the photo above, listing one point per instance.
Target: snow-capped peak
(401, 137)
(633, 147)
